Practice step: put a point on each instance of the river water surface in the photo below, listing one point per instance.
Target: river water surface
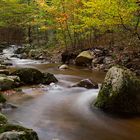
(58, 112)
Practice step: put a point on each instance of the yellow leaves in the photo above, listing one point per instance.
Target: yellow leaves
(63, 17)
(101, 13)
(73, 13)
(41, 3)
(78, 1)
(52, 10)
(43, 27)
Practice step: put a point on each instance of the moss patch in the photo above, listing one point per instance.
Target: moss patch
(29, 75)
(120, 92)
(2, 99)
(28, 134)
(3, 119)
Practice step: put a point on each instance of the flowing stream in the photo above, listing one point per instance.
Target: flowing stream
(58, 112)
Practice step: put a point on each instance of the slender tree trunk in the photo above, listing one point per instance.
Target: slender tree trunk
(64, 36)
(38, 37)
(29, 35)
(67, 26)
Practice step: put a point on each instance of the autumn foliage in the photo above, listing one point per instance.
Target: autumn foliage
(70, 22)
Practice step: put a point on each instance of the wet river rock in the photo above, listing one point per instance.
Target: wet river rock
(120, 92)
(6, 82)
(2, 99)
(34, 76)
(64, 66)
(15, 135)
(86, 83)
(84, 58)
(15, 132)
(48, 78)
(29, 75)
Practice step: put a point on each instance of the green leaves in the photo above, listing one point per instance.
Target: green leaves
(13, 13)
(69, 17)
(101, 13)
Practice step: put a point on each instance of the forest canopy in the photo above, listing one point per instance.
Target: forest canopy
(70, 21)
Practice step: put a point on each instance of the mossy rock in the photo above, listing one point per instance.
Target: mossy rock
(120, 92)
(34, 76)
(3, 120)
(29, 75)
(6, 82)
(16, 132)
(2, 99)
(84, 58)
(49, 78)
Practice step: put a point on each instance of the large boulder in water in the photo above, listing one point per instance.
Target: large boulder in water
(49, 78)
(13, 135)
(120, 92)
(84, 58)
(29, 75)
(34, 76)
(15, 132)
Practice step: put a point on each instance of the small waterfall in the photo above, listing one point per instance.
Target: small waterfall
(9, 55)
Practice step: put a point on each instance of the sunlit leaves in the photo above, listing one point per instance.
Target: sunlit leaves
(69, 17)
(101, 13)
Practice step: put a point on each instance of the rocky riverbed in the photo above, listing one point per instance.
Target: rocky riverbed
(97, 58)
(12, 78)
(61, 110)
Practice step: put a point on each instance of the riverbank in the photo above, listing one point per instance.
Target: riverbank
(101, 58)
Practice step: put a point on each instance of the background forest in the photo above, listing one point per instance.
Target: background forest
(76, 24)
